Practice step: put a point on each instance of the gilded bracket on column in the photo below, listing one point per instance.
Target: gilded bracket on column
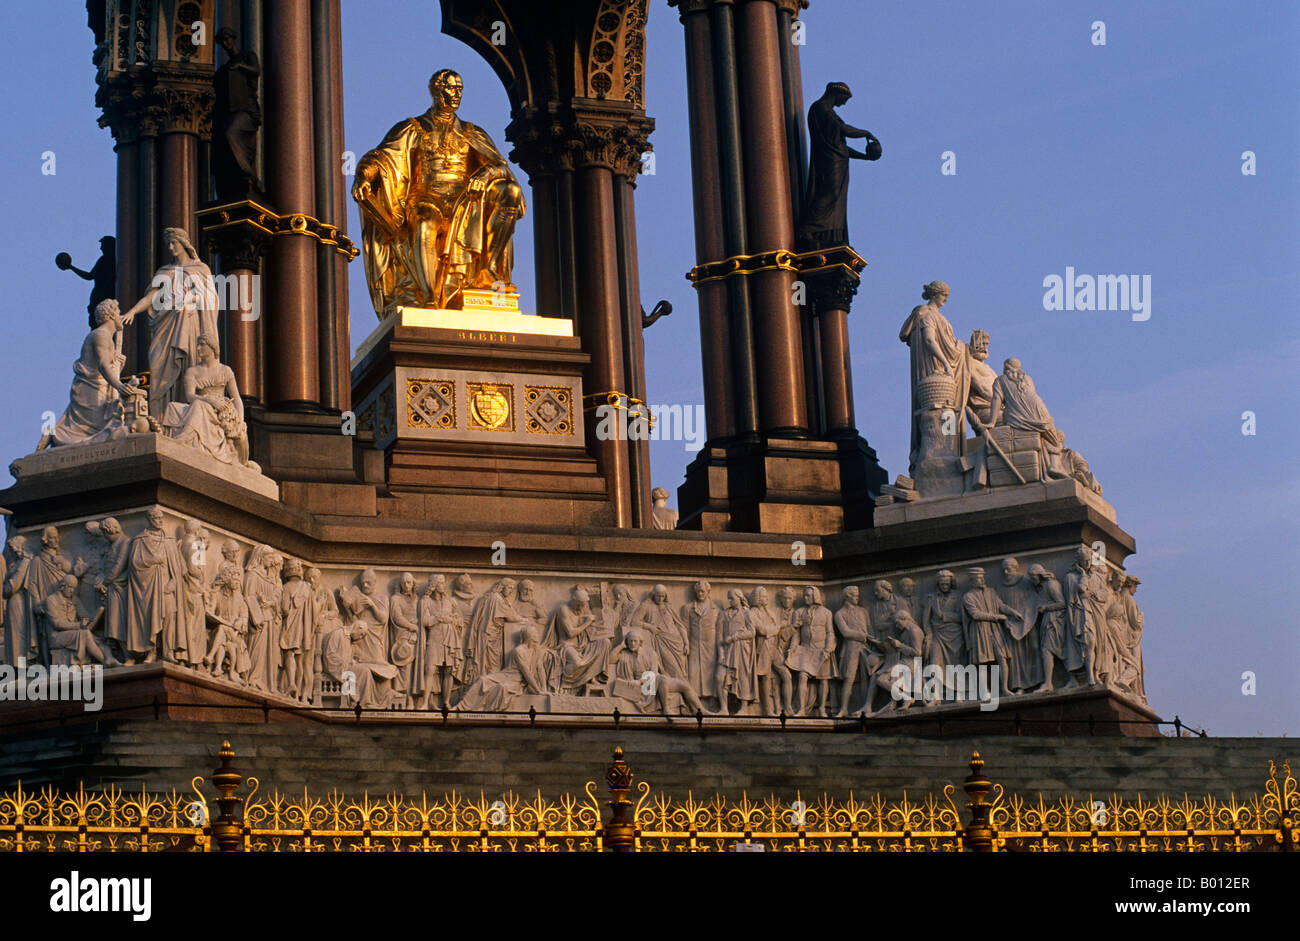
(250, 214)
(815, 262)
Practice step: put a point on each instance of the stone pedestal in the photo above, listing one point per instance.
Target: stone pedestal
(481, 416)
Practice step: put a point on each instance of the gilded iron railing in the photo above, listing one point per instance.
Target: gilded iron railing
(113, 820)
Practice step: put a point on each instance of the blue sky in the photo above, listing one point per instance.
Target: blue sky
(1115, 159)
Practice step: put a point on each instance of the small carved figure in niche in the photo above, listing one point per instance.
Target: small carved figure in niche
(701, 618)
(211, 417)
(1050, 607)
(298, 620)
(236, 116)
(632, 662)
(182, 300)
(70, 640)
(824, 221)
(941, 623)
(769, 667)
(666, 631)
(441, 651)
(18, 621)
(812, 654)
(228, 615)
(983, 617)
(529, 670)
(583, 657)
(154, 591)
(1024, 654)
(853, 626)
(98, 400)
(663, 516)
(404, 637)
(493, 618)
(736, 655)
(103, 274)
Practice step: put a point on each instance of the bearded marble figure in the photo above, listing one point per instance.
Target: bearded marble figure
(1024, 656)
(44, 576)
(853, 626)
(666, 632)
(262, 596)
(228, 615)
(633, 659)
(441, 650)
(18, 622)
(775, 685)
(945, 641)
(701, 618)
(583, 656)
(96, 403)
(1050, 607)
(71, 641)
(493, 618)
(404, 637)
(983, 616)
(359, 648)
(1086, 599)
(192, 626)
(529, 611)
(736, 654)
(154, 591)
(529, 670)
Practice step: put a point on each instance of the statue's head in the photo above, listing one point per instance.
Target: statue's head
(293, 568)
(177, 242)
(659, 594)
(446, 87)
(463, 584)
(1010, 569)
(633, 640)
(579, 597)
(437, 586)
(527, 588)
(68, 587)
(368, 580)
(979, 345)
(735, 598)
(758, 597)
(207, 349)
(408, 583)
(935, 291)
(785, 597)
(226, 39)
(812, 596)
(1037, 573)
(108, 245)
(852, 594)
(838, 93)
(17, 544)
(702, 590)
(313, 576)
(659, 495)
(946, 580)
(976, 577)
(1011, 367)
(50, 537)
(883, 590)
(106, 311)
(110, 527)
(907, 586)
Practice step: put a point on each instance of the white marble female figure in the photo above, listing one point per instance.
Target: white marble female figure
(183, 302)
(210, 413)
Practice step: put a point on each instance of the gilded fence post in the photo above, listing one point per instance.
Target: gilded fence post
(227, 829)
(980, 835)
(620, 833)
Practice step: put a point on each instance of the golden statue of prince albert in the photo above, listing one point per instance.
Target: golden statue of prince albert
(438, 208)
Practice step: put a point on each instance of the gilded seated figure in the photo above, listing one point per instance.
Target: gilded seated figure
(438, 208)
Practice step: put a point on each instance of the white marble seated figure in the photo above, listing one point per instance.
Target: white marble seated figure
(99, 402)
(211, 419)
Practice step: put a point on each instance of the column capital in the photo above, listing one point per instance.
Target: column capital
(149, 102)
(580, 133)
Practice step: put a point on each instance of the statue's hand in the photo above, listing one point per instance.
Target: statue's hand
(477, 184)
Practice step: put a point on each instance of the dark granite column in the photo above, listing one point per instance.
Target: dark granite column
(342, 323)
(633, 338)
(710, 244)
(293, 365)
(327, 168)
(598, 323)
(763, 143)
